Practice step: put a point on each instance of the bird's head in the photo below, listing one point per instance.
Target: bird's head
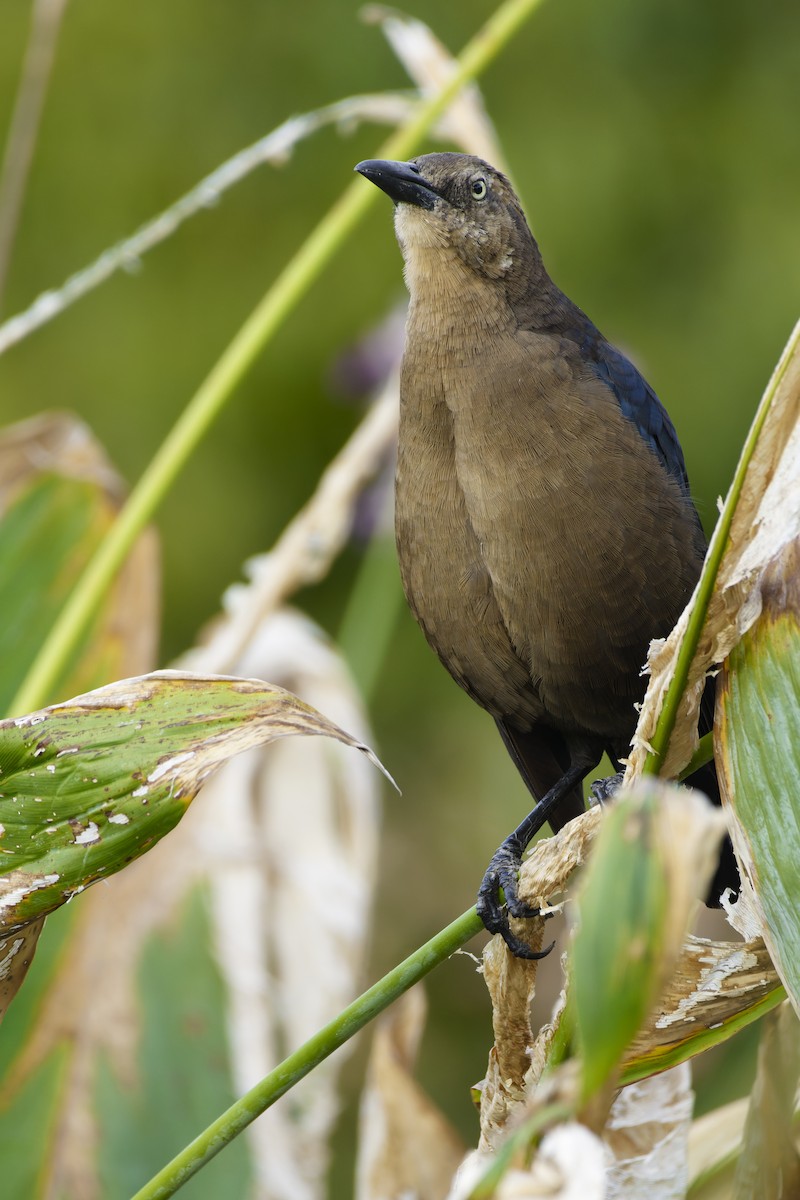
(460, 202)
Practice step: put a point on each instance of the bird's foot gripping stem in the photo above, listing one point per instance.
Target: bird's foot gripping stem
(503, 870)
(502, 873)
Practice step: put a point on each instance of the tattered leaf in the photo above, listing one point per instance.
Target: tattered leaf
(712, 990)
(758, 733)
(511, 983)
(58, 497)
(715, 989)
(90, 784)
(16, 954)
(647, 1132)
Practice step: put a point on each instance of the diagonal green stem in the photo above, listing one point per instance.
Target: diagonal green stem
(669, 709)
(310, 1055)
(290, 286)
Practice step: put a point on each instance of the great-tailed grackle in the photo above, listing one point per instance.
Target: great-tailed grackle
(544, 525)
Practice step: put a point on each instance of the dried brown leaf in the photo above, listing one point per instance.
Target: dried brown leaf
(16, 954)
(711, 984)
(511, 982)
(406, 1146)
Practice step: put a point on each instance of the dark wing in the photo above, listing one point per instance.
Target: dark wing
(638, 402)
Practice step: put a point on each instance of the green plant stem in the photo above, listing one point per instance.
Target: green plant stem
(703, 754)
(290, 286)
(677, 685)
(311, 1054)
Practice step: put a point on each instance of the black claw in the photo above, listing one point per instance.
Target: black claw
(504, 868)
(501, 874)
(521, 949)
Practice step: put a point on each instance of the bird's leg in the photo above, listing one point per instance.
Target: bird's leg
(601, 790)
(506, 861)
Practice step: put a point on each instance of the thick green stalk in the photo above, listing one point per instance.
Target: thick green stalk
(290, 286)
(311, 1054)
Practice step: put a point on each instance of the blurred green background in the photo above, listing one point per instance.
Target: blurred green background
(656, 147)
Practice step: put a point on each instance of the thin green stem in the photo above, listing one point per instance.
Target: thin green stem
(669, 710)
(290, 286)
(311, 1054)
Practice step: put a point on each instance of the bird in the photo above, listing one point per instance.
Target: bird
(544, 524)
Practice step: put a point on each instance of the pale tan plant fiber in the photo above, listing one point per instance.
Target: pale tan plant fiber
(711, 983)
(647, 1132)
(297, 832)
(511, 983)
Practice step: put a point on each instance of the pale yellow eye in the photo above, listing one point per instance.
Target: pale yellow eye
(478, 189)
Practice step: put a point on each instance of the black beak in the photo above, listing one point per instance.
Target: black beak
(401, 181)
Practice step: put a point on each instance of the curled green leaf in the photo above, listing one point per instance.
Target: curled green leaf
(89, 785)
